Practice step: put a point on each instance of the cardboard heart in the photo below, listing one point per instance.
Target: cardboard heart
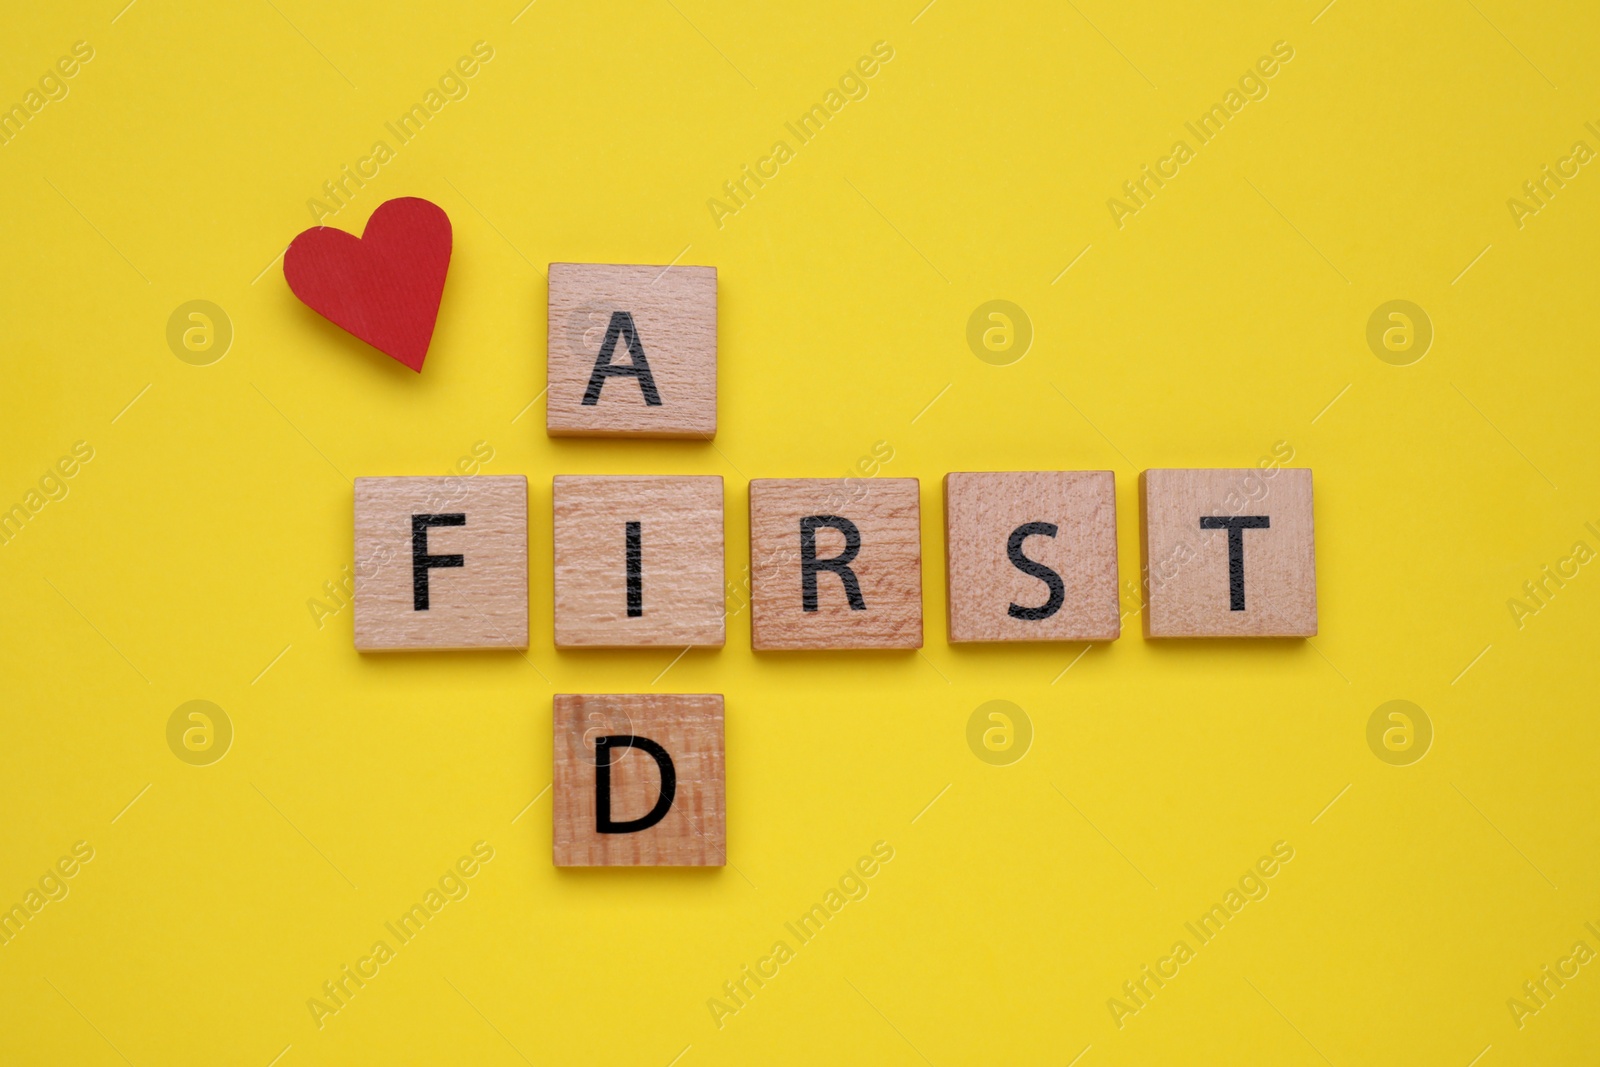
(383, 286)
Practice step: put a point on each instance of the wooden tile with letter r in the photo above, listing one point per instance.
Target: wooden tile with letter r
(835, 563)
(638, 781)
(632, 351)
(638, 561)
(441, 563)
(1228, 553)
(1032, 556)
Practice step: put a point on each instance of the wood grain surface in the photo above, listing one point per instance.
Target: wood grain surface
(675, 596)
(1064, 522)
(673, 312)
(483, 603)
(886, 608)
(1189, 587)
(690, 729)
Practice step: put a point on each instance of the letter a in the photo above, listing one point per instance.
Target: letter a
(320, 1011)
(638, 367)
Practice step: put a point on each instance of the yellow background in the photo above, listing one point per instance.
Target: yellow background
(1221, 319)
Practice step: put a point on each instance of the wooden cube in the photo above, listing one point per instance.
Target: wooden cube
(638, 562)
(441, 563)
(1032, 556)
(835, 563)
(632, 351)
(639, 781)
(1228, 553)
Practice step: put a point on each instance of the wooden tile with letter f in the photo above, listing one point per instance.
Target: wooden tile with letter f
(441, 563)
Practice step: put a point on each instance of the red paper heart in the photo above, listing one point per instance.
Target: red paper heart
(383, 286)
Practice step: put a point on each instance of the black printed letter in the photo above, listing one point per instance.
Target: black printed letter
(635, 553)
(840, 564)
(637, 367)
(602, 784)
(421, 561)
(1058, 589)
(1236, 527)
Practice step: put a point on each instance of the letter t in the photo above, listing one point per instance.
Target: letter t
(1236, 526)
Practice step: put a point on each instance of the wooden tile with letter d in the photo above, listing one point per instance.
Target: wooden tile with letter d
(638, 781)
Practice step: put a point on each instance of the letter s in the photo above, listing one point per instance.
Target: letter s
(1034, 569)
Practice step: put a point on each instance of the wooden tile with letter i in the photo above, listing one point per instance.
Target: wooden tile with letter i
(441, 563)
(835, 563)
(1032, 556)
(632, 351)
(638, 562)
(1228, 553)
(638, 781)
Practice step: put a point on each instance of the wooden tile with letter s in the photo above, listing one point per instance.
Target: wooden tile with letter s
(1228, 553)
(638, 781)
(1032, 556)
(835, 563)
(632, 351)
(441, 563)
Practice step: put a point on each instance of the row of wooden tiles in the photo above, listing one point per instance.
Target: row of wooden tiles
(442, 563)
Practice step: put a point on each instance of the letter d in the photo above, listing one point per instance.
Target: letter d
(602, 784)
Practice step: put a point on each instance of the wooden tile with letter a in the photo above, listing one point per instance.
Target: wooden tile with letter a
(1032, 556)
(835, 563)
(639, 561)
(639, 781)
(1228, 553)
(632, 351)
(441, 563)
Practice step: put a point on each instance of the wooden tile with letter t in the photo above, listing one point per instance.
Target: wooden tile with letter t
(835, 563)
(1032, 556)
(639, 781)
(639, 561)
(1228, 553)
(632, 351)
(441, 563)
